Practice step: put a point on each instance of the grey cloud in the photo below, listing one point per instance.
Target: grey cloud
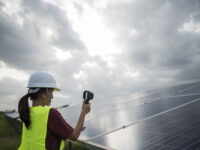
(158, 45)
(1, 4)
(20, 49)
(23, 47)
(11, 91)
(67, 37)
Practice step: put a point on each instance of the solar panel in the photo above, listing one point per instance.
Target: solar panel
(13, 115)
(176, 129)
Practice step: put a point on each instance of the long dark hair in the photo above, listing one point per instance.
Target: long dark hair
(23, 107)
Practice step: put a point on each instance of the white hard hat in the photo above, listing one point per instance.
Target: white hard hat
(42, 79)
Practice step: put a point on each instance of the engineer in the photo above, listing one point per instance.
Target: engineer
(44, 127)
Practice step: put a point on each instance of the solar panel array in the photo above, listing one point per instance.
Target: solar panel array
(159, 119)
(166, 118)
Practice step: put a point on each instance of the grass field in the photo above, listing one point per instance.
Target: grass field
(10, 140)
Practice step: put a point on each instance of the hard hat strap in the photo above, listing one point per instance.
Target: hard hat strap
(48, 97)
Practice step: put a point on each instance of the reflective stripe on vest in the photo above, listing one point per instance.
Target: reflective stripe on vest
(34, 138)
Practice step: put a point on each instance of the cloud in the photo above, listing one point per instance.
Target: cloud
(51, 15)
(11, 91)
(25, 47)
(148, 32)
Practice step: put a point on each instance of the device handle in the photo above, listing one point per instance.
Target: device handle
(86, 98)
(87, 101)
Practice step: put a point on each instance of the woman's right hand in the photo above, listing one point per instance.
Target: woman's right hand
(79, 126)
(85, 107)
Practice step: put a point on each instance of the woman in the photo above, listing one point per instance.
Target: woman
(43, 127)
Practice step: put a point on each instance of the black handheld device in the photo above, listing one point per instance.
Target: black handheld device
(87, 95)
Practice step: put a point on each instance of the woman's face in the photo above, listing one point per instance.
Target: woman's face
(45, 98)
(51, 93)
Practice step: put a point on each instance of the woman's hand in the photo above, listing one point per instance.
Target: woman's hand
(79, 126)
(85, 107)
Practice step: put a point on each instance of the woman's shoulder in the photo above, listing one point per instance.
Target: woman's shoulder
(54, 112)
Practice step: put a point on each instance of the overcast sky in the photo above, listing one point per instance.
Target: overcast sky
(110, 47)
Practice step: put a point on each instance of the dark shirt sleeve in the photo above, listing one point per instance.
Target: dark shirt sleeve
(58, 125)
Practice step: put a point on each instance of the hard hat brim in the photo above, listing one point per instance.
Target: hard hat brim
(55, 88)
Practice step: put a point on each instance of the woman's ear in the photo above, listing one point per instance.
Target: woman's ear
(42, 95)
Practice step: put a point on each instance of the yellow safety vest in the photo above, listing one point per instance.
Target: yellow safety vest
(34, 138)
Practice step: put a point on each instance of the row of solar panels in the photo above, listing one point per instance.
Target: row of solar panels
(118, 123)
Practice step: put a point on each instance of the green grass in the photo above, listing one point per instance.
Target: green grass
(10, 140)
